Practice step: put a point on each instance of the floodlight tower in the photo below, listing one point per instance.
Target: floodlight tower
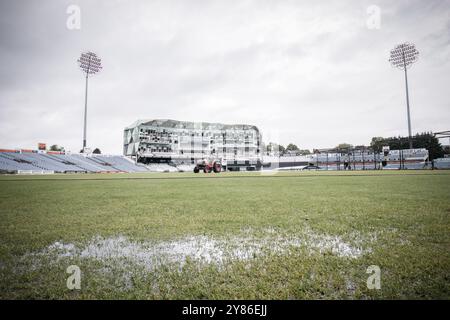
(89, 64)
(402, 57)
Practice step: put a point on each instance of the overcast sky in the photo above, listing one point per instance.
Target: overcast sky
(308, 72)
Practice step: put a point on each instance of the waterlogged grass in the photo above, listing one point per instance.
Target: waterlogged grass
(291, 235)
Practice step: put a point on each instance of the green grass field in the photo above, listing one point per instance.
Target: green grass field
(306, 235)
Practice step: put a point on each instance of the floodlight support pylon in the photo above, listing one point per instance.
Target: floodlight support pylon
(85, 111)
(89, 64)
(407, 102)
(402, 56)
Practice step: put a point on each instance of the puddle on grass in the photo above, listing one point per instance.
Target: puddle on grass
(245, 246)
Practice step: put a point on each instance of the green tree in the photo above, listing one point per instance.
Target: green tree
(269, 147)
(55, 147)
(446, 149)
(377, 143)
(96, 151)
(344, 146)
(292, 148)
(421, 140)
(273, 147)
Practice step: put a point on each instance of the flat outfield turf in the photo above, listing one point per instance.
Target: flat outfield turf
(289, 235)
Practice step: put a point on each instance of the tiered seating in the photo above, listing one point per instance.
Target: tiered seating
(43, 162)
(64, 163)
(74, 163)
(16, 162)
(91, 166)
(105, 166)
(8, 165)
(120, 163)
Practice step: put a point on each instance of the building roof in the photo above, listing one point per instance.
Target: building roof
(168, 123)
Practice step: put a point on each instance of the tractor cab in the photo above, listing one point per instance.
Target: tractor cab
(208, 165)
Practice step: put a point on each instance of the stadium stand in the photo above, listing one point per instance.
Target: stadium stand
(94, 164)
(23, 163)
(156, 141)
(442, 163)
(354, 160)
(28, 161)
(121, 163)
(76, 163)
(34, 162)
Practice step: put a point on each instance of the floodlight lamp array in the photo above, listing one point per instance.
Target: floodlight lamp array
(404, 55)
(89, 63)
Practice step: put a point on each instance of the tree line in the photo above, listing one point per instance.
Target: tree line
(425, 140)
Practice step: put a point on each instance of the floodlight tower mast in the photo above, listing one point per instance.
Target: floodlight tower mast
(89, 64)
(402, 57)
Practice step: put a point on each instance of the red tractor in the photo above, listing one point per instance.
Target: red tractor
(208, 165)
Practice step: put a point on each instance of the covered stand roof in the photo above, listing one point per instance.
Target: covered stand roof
(168, 123)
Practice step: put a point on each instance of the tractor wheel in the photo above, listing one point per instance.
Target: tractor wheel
(196, 170)
(217, 167)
